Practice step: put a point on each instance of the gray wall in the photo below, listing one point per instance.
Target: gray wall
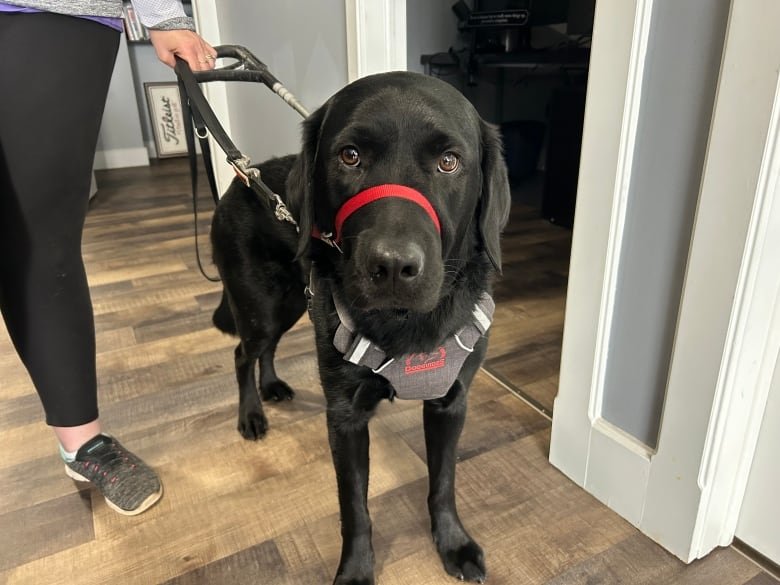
(121, 127)
(304, 44)
(147, 68)
(677, 98)
(431, 27)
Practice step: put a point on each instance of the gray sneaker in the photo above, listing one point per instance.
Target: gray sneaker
(127, 483)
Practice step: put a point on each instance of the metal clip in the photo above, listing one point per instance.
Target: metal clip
(328, 239)
(283, 214)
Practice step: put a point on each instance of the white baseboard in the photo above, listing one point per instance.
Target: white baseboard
(121, 157)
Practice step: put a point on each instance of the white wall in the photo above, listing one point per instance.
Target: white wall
(304, 45)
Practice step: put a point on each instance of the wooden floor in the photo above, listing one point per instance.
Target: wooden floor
(266, 512)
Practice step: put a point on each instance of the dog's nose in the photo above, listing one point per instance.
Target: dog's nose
(395, 263)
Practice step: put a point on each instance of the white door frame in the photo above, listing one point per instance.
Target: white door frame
(376, 36)
(206, 18)
(687, 494)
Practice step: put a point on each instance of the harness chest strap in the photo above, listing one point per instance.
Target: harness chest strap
(416, 376)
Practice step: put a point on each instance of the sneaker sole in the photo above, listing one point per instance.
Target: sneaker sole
(142, 507)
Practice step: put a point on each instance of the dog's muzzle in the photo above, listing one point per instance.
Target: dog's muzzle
(370, 195)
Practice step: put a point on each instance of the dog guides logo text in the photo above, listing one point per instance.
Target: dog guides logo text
(424, 362)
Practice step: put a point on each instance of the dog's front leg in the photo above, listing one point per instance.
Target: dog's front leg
(349, 443)
(348, 416)
(443, 420)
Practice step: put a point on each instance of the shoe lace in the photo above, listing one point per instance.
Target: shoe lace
(109, 461)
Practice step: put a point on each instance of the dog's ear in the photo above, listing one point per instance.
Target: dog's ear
(300, 181)
(495, 199)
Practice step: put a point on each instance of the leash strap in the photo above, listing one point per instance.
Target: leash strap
(192, 118)
(205, 121)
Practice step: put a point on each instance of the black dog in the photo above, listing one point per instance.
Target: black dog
(405, 188)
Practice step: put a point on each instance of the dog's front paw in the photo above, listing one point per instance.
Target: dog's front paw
(354, 577)
(252, 424)
(348, 580)
(276, 391)
(465, 562)
(356, 567)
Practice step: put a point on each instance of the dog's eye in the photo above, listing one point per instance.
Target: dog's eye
(350, 156)
(449, 162)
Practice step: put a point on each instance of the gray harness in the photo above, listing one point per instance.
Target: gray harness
(416, 376)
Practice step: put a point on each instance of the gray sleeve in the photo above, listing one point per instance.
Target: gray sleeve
(162, 14)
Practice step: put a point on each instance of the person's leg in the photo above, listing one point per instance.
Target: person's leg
(52, 102)
(71, 438)
(51, 105)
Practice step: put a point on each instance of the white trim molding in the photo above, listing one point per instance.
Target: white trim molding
(752, 346)
(117, 158)
(607, 462)
(686, 495)
(376, 37)
(628, 135)
(618, 465)
(726, 341)
(206, 16)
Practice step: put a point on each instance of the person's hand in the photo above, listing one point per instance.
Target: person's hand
(185, 44)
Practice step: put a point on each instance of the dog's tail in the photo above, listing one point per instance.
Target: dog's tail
(223, 317)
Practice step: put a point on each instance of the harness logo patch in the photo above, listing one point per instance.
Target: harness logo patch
(424, 362)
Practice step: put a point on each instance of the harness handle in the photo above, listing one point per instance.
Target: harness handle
(248, 68)
(198, 113)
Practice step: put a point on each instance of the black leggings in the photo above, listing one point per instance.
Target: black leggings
(54, 77)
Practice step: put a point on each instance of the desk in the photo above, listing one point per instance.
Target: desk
(561, 58)
(530, 62)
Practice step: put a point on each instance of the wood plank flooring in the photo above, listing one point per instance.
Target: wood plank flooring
(238, 512)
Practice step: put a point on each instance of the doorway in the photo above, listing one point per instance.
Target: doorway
(528, 75)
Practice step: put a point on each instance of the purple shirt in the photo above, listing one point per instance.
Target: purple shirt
(115, 23)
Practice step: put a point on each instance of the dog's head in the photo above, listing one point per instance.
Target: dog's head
(401, 169)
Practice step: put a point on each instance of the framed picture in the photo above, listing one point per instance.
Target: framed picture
(166, 117)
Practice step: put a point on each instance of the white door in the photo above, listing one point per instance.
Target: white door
(684, 488)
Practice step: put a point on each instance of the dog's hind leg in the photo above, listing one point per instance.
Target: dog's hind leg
(252, 423)
(261, 318)
(287, 314)
(271, 387)
(443, 421)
